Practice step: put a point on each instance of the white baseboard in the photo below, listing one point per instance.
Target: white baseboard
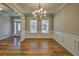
(68, 41)
(4, 37)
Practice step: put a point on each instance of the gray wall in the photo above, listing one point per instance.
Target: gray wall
(5, 26)
(67, 19)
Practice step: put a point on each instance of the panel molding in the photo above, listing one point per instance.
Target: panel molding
(69, 41)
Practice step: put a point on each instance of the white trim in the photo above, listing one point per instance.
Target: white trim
(61, 6)
(18, 8)
(14, 7)
(4, 37)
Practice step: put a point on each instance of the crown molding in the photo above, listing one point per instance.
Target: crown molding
(14, 7)
(61, 6)
(18, 7)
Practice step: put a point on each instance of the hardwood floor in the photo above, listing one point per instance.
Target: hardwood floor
(31, 47)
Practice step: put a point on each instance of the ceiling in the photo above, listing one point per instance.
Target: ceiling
(7, 10)
(27, 8)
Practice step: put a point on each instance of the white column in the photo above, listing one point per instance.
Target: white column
(23, 27)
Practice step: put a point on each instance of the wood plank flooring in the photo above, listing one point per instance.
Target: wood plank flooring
(31, 47)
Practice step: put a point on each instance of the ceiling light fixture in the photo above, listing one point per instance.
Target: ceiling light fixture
(40, 13)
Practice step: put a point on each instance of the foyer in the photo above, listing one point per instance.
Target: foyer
(25, 34)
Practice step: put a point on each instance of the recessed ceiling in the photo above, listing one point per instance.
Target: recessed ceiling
(27, 8)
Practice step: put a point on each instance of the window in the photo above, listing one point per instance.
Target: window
(19, 26)
(17, 20)
(33, 26)
(45, 25)
(14, 28)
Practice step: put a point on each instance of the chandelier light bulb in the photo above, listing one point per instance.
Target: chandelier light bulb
(33, 13)
(1, 9)
(38, 11)
(41, 9)
(44, 12)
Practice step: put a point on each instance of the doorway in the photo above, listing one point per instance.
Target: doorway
(17, 27)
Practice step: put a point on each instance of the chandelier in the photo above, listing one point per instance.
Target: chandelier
(39, 13)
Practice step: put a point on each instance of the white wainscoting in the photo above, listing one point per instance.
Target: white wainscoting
(68, 41)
